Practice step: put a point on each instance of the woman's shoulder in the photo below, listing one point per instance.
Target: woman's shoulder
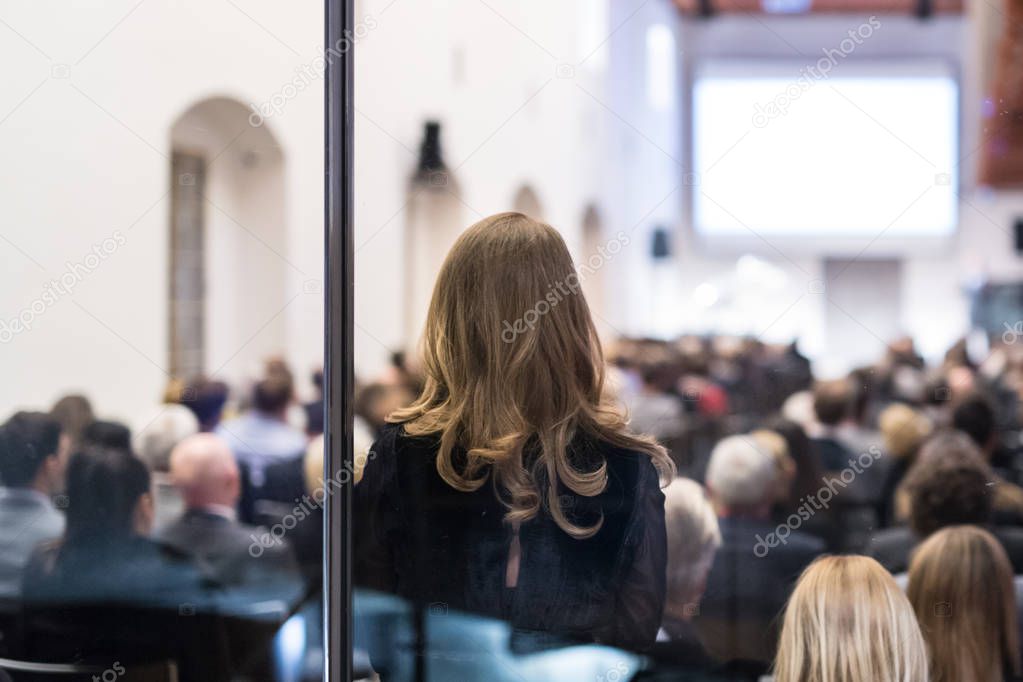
(393, 438)
(395, 451)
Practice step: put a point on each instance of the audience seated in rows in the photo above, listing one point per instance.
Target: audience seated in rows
(693, 540)
(961, 588)
(154, 443)
(848, 621)
(73, 412)
(32, 471)
(1007, 498)
(954, 490)
(206, 474)
(314, 409)
(206, 398)
(262, 436)
(831, 406)
(105, 554)
(106, 434)
(903, 431)
(758, 560)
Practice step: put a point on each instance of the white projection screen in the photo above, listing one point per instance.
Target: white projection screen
(869, 151)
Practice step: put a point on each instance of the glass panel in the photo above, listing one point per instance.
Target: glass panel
(659, 303)
(161, 516)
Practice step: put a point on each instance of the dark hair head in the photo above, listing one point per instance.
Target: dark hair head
(26, 440)
(206, 400)
(863, 386)
(107, 434)
(808, 468)
(274, 393)
(950, 495)
(832, 401)
(975, 416)
(74, 412)
(103, 487)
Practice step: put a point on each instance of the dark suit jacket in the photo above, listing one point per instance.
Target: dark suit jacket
(233, 553)
(832, 454)
(893, 547)
(747, 587)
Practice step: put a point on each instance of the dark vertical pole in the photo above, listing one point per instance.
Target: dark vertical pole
(339, 325)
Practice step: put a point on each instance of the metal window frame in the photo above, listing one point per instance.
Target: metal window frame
(339, 333)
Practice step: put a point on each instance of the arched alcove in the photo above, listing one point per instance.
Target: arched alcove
(527, 201)
(228, 261)
(433, 221)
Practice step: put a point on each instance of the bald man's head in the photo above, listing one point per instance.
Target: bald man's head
(205, 472)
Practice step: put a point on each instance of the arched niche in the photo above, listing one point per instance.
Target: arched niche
(594, 284)
(433, 220)
(228, 241)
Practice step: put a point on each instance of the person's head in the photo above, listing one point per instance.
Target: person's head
(74, 413)
(961, 587)
(206, 399)
(30, 452)
(273, 393)
(511, 359)
(741, 478)
(798, 408)
(778, 448)
(862, 384)
(106, 434)
(949, 495)
(693, 538)
(204, 470)
(808, 468)
(903, 430)
(975, 416)
(171, 425)
(848, 621)
(376, 401)
(108, 496)
(945, 448)
(832, 401)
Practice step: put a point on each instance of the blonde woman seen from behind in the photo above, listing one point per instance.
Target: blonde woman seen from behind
(961, 587)
(512, 487)
(848, 621)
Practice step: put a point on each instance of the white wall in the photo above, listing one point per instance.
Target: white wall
(85, 120)
(509, 117)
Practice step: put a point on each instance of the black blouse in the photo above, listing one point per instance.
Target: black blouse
(419, 538)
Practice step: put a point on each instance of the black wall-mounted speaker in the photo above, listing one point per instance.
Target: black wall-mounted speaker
(1017, 233)
(660, 246)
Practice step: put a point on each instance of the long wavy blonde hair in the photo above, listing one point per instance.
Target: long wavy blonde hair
(513, 366)
(848, 621)
(960, 584)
